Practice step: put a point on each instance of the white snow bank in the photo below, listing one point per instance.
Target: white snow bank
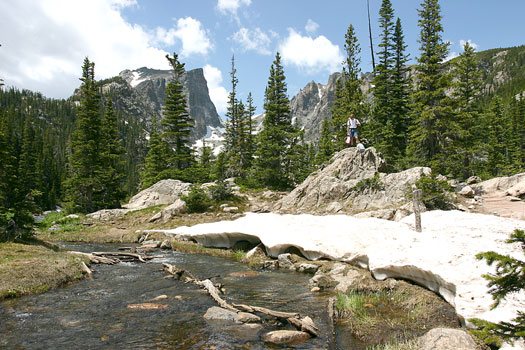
(442, 257)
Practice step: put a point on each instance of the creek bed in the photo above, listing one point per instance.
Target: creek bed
(94, 313)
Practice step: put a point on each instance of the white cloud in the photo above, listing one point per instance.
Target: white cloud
(311, 26)
(45, 41)
(189, 31)
(194, 38)
(232, 6)
(218, 93)
(253, 40)
(312, 55)
(473, 45)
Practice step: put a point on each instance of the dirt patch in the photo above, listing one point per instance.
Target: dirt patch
(31, 268)
(501, 205)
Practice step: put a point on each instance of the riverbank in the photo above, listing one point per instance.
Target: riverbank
(35, 268)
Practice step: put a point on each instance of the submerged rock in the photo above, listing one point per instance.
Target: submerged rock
(286, 337)
(219, 314)
(147, 306)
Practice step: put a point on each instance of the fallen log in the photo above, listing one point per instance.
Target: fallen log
(272, 313)
(304, 324)
(119, 255)
(208, 285)
(97, 259)
(87, 270)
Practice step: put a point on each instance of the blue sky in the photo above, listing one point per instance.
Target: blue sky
(44, 41)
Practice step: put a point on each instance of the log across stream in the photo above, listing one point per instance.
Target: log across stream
(105, 312)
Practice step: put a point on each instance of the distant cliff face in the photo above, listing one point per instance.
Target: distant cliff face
(144, 95)
(314, 102)
(312, 105)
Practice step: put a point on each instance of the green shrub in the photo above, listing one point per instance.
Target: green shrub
(221, 192)
(509, 278)
(371, 183)
(197, 201)
(436, 193)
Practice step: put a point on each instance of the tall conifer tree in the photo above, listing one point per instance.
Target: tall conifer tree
(155, 161)
(431, 109)
(233, 140)
(177, 123)
(275, 140)
(348, 95)
(83, 182)
(401, 85)
(381, 116)
(112, 150)
(462, 150)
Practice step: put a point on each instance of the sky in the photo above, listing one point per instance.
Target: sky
(44, 42)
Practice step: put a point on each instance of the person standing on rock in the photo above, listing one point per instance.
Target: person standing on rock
(351, 129)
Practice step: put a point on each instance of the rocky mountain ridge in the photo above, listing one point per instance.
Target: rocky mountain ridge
(140, 93)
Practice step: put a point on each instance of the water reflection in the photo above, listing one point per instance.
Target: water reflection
(94, 313)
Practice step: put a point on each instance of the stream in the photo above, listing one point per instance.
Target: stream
(94, 314)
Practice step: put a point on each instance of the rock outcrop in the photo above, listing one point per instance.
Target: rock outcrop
(166, 214)
(499, 184)
(352, 183)
(145, 95)
(312, 105)
(163, 192)
(447, 339)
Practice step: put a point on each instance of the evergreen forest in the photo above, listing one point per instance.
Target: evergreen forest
(84, 154)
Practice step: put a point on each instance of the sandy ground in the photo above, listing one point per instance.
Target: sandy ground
(499, 204)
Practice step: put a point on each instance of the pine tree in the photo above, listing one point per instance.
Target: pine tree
(155, 161)
(383, 81)
(15, 204)
(29, 178)
(348, 95)
(249, 126)
(233, 136)
(7, 179)
(463, 149)
(431, 109)
(400, 96)
(83, 182)
(509, 278)
(495, 142)
(112, 150)
(274, 142)
(177, 123)
(325, 147)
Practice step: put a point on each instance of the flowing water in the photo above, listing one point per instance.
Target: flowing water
(94, 314)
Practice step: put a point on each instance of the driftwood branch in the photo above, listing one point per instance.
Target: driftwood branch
(304, 324)
(112, 258)
(97, 259)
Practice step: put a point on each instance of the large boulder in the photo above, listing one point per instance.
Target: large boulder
(447, 339)
(107, 214)
(163, 192)
(498, 184)
(166, 214)
(356, 181)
